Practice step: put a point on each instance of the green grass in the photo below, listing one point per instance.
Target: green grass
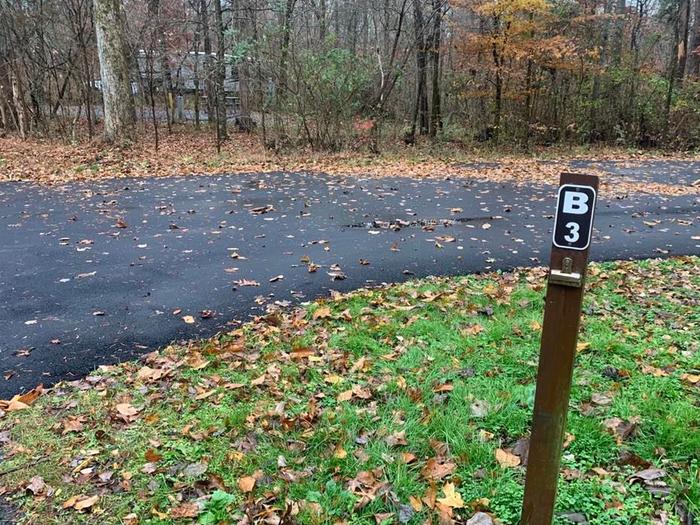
(448, 363)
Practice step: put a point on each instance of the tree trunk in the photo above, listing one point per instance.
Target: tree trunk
(683, 40)
(436, 113)
(321, 16)
(6, 112)
(220, 73)
(672, 75)
(195, 76)
(694, 56)
(158, 43)
(119, 112)
(20, 106)
(209, 83)
(420, 110)
(498, 93)
(286, 38)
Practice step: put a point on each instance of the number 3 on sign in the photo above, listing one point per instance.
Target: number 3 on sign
(573, 235)
(573, 225)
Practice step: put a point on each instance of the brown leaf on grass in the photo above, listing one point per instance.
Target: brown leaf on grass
(80, 502)
(86, 503)
(361, 392)
(522, 449)
(322, 313)
(430, 496)
(381, 517)
(600, 399)
(656, 372)
(302, 353)
(127, 410)
(621, 429)
(452, 498)
(474, 329)
(480, 518)
(259, 381)
(506, 459)
(246, 484)
(147, 373)
(648, 475)
(73, 424)
(36, 485)
(416, 503)
(435, 470)
(344, 396)
(23, 401)
(196, 361)
(152, 456)
(131, 519)
(408, 457)
(396, 439)
(186, 510)
(693, 379)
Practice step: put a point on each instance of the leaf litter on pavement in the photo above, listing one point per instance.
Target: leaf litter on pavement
(380, 406)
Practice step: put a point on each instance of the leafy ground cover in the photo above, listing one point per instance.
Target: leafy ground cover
(406, 404)
(186, 151)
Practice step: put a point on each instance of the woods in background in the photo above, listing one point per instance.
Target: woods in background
(334, 74)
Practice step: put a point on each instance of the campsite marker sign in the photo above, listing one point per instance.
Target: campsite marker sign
(573, 226)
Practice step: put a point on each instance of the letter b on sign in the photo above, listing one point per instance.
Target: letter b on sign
(575, 202)
(573, 224)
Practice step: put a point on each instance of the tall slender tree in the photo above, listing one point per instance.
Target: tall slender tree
(221, 117)
(112, 45)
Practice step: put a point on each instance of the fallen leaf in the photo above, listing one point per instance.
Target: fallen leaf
(131, 519)
(186, 510)
(22, 401)
(127, 410)
(246, 484)
(396, 439)
(506, 459)
(194, 470)
(452, 499)
(479, 408)
(86, 503)
(36, 485)
(693, 379)
(73, 424)
(416, 503)
(480, 518)
(80, 502)
(247, 282)
(322, 313)
(435, 470)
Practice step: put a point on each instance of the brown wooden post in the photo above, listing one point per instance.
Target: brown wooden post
(572, 232)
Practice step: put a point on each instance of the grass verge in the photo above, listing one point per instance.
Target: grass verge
(408, 404)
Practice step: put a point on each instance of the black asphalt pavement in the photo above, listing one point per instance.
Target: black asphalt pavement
(77, 290)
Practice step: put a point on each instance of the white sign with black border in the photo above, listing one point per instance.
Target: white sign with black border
(573, 223)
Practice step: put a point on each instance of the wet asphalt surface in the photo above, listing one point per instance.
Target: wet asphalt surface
(77, 291)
